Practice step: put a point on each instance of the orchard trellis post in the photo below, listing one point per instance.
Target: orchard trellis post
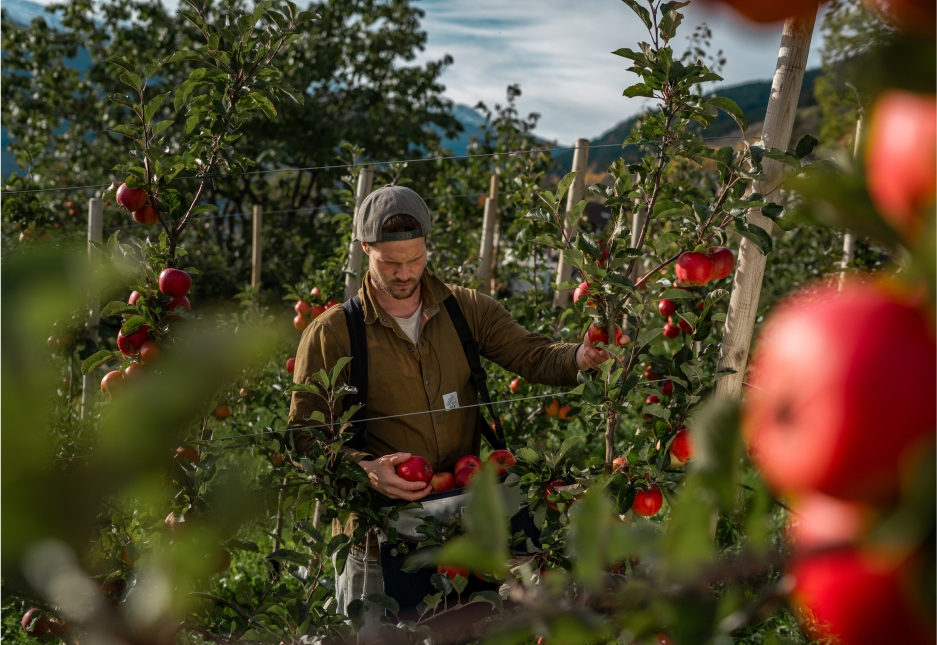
(849, 239)
(485, 253)
(779, 122)
(355, 252)
(257, 250)
(95, 234)
(564, 270)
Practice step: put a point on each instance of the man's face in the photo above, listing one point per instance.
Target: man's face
(396, 267)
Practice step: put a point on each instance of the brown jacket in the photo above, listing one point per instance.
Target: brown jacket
(406, 379)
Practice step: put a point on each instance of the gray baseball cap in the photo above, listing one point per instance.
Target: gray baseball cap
(384, 203)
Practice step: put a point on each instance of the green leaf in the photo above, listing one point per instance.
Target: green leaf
(117, 307)
(642, 13)
(639, 89)
(783, 157)
(96, 360)
(675, 294)
(805, 146)
(131, 79)
(131, 131)
(664, 241)
(132, 324)
(484, 546)
(263, 103)
(564, 185)
(159, 128)
(153, 105)
(488, 596)
(756, 234)
(731, 108)
(588, 537)
(385, 601)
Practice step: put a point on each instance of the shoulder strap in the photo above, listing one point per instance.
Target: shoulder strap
(354, 318)
(479, 377)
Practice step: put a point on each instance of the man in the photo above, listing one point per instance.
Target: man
(416, 362)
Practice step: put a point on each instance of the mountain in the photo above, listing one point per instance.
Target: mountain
(751, 97)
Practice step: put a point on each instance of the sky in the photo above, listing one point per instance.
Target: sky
(559, 51)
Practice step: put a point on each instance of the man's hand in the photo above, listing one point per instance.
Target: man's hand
(589, 357)
(384, 479)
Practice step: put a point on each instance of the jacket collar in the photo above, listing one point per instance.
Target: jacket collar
(433, 289)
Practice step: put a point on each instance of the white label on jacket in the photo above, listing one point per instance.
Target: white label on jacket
(451, 400)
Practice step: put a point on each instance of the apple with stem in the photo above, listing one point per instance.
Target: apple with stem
(131, 199)
(174, 282)
(648, 502)
(442, 481)
(502, 459)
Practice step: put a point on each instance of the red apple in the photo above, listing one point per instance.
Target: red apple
(902, 158)
(464, 476)
(650, 374)
(600, 334)
(302, 307)
(581, 290)
(332, 303)
(415, 469)
(694, 268)
(112, 381)
(648, 503)
(150, 351)
(130, 198)
(503, 459)
(468, 461)
(723, 262)
(177, 303)
(277, 458)
(174, 282)
(553, 409)
(290, 365)
(515, 385)
(652, 398)
(133, 370)
(552, 489)
(666, 388)
(681, 448)
(315, 311)
(851, 596)
(452, 571)
(34, 623)
(300, 322)
(814, 417)
(442, 482)
(221, 412)
(619, 463)
(819, 521)
(666, 308)
(134, 296)
(684, 326)
(315, 292)
(188, 453)
(132, 342)
(671, 330)
(768, 11)
(221, 561)
(564, 413)
(146, 215)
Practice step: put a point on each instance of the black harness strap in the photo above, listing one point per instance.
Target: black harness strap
(354, 318)
(479, 376)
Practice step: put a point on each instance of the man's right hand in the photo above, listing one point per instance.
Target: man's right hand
(383, 478)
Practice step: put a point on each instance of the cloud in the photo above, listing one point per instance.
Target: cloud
(559, 52)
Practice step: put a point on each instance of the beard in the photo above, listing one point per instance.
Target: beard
(396, 289)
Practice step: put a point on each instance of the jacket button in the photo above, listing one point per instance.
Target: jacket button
(393, 553)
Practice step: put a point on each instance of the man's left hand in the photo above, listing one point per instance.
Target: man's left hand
(590, 357)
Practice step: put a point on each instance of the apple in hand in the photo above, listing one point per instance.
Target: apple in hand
(648, 502)
(415, 469)
(130, 198)
(442, 482)
(814, 418)
(464, 476)
(694, 268)
(174, 282)
(503, 459)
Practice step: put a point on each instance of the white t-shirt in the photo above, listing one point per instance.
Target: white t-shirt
(411, 326)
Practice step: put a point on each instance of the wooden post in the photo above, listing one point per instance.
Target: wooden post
(257, 251)
(563, 269)
(849, 239)
(746, 283)
(488, 236)
(355, 252)
(95, 234)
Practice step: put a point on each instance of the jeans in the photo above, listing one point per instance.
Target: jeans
(350, 584)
